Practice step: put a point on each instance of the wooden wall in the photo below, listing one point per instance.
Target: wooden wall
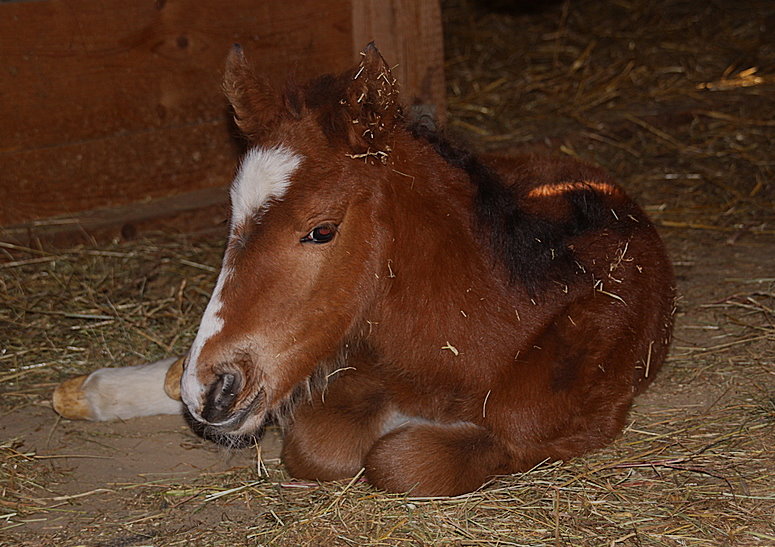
(117, 103)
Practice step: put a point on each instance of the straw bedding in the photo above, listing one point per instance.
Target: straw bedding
(676, 98)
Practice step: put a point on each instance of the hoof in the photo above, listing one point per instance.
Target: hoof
(172, 379)
(70, 400)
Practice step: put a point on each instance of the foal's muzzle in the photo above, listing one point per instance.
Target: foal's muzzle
(229, 409)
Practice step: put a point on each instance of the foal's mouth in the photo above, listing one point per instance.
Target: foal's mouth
(231, 430)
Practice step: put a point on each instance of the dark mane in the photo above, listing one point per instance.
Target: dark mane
(534, 249)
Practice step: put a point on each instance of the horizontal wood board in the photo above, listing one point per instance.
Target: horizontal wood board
(109, 103)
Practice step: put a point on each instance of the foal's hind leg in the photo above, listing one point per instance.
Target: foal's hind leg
(432, 459)
(123, 392)
(331, 434)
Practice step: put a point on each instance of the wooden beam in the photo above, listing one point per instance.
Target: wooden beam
(203, 211)
(408, 33)
(112, 103)
(79, 70)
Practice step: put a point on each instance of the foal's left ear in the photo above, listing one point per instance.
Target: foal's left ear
(372, 101)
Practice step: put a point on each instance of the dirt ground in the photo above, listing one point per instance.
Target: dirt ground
(150, 481)
(94, 467)
(658, 93)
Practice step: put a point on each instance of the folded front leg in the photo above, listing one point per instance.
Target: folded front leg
(331, 434)
(431, 459)
(122, 392)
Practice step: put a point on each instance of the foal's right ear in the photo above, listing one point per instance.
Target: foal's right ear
(256, 105)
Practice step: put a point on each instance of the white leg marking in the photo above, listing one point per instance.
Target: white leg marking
(129, 392)
(397, 419)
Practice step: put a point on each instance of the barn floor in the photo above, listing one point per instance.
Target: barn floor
(676, 98)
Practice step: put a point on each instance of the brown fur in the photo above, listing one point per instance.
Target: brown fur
(457, 369)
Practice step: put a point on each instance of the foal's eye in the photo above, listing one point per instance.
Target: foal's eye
(321, 234)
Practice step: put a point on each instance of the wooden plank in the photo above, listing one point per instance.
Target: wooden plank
(408, 33)
(79, 69)
(102, 101)
(110, 103)
(115, 170)
(203, 212)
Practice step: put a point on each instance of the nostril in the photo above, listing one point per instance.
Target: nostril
(226, 391)
(220, 397)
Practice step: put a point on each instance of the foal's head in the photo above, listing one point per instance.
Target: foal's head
(298, 269)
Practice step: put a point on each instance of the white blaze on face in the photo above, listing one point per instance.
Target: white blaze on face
(191, 391)
(264, 175)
